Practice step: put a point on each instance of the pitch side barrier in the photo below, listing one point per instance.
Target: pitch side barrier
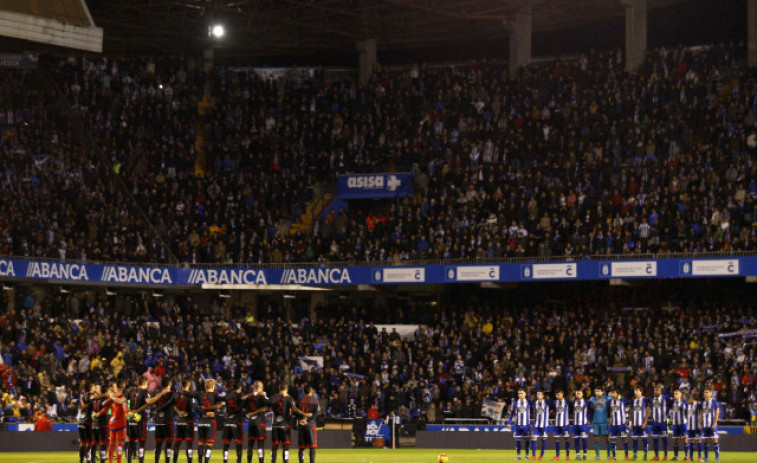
(380, 273)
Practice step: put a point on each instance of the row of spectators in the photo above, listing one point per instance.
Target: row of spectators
(561, 159)
(59, 198)
(473, 346)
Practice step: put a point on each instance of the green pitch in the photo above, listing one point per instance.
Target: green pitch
(352, 456)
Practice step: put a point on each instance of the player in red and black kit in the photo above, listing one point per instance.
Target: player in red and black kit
(163, 415)
(208, 403)
(100, 424)
(185, 420)
(139, 401)
(306, 431)
(256, 404)
(283, 406)
(136, 431)
(86, 399)
(233, 427)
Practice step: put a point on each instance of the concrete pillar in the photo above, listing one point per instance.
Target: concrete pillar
(751, 27)
(367, 52)
(316, 298)
(249, 300)
(636, 33)
(520, 38)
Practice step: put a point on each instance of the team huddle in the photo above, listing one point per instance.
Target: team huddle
(693, 423)
(114, 420)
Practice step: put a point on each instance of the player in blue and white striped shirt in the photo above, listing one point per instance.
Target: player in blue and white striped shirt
(541, 420)
(639, 417)
(709, 413)
(562, 424)
(659, 403)
(679, 409)
(521, 411)
(693, 431)
(618, 422)
(581, 420)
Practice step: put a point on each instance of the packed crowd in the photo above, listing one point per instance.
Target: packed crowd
(457, 357)
(561, 159)
(59, 200)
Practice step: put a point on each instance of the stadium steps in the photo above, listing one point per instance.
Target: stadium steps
(312, 210)
(201, 145)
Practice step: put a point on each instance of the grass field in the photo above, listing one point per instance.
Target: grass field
(352, 456)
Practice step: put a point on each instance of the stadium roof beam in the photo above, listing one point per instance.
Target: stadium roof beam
(520, 29)
(451, 14)
(307, 27)
(752, 33)
(367, 52)
(636, 33)
(64, 23)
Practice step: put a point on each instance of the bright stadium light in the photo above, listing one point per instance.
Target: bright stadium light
(217, 31)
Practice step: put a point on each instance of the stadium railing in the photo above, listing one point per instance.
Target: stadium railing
(404, 263)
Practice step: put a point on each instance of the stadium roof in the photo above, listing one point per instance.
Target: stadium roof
(264, 28)
(66, 11)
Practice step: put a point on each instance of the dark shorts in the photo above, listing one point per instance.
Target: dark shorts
(308, 437)
(206, 431)
(638, 431)
(693, 433)
(562, 431)
(256, 431)
(580, 430)
(659, 429)
(678, 430)
(185, 431)
(539, 432)
(281, 435)
(100, 435)
(137, 431)
(233, 432)
(164, 432)
(85, 433)
(521, 431)
(618, 431)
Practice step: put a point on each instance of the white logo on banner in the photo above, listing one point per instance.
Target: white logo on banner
(634, 269)
(404, 275)
(6, 268)
(715, 267)
(315, 276)
(227, 277)
(547, 271)
(367, 181)
(393, 183)
(477, 273)
(372, 428)
(57, 271)
(120, 274)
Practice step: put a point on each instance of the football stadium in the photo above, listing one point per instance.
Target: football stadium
(378, 231)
